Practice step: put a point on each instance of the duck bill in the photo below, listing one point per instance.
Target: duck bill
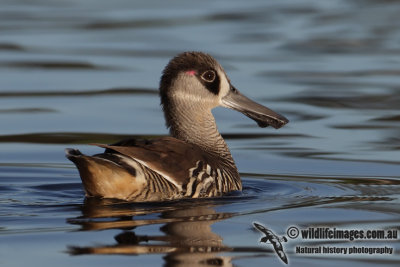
(262, 115)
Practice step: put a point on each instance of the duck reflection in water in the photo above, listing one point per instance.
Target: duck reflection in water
(188, 236)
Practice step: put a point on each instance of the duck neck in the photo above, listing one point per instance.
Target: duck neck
(198, 127)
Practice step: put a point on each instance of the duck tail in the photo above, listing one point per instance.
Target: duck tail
(108, 175)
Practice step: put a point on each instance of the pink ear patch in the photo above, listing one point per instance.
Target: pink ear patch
(191, 72)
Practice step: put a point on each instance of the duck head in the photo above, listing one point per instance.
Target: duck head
(197, 81)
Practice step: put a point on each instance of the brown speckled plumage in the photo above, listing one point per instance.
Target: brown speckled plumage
(195, 161)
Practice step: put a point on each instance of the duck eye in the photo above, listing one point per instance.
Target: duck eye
(208, 76)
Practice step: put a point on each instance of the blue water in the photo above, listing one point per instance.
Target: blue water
(79, 72)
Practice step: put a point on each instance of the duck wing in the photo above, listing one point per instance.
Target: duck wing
(168, 156)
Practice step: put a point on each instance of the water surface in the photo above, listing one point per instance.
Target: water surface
(79, 72)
